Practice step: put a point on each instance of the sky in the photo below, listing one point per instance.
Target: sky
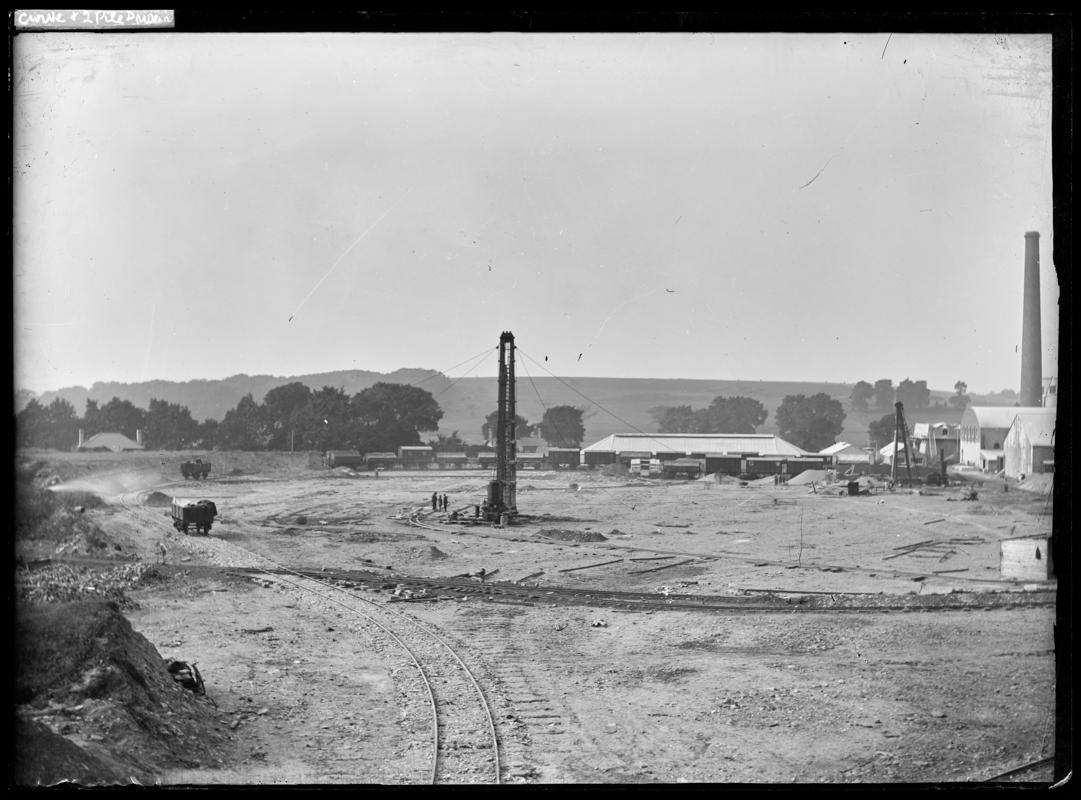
(796, 207)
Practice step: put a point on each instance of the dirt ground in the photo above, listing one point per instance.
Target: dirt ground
(308, 693)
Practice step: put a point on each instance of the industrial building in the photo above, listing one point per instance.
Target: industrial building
(983, 434)
(1029, 444)
(984, 428)
(845, 453)
(934, 442)
(726, 453)
(109, 442)
(887, 452)
(676, 445)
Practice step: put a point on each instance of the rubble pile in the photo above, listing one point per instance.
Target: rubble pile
(85, 676)
(60, 583)
(1041, 483)
(564, 535)
(156, 499)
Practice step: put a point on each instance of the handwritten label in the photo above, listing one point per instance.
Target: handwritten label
(28, 19)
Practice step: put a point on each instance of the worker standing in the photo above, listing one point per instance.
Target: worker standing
(435, 501)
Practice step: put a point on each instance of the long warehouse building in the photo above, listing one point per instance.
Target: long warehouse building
(730, 453)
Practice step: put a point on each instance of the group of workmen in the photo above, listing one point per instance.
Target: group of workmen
(439, 502)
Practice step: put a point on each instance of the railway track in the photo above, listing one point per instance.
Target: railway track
(464, 744)
(430, 589)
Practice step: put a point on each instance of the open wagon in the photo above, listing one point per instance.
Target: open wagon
(195, 469)
(194, 513)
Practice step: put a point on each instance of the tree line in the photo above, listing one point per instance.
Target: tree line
(810, 423)
(912, 394)
(382, 417)
(882, 395)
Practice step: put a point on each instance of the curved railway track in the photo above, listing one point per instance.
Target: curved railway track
(465, 745)
(464, 741)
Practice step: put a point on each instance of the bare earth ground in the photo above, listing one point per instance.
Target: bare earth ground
(308, 693)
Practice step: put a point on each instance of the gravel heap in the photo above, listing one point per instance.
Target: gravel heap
(61, 583)
(573, 536)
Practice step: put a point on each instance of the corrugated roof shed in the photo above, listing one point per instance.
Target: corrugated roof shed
(887, 450)
(997, 416)
(838, 447)
(117, 442)
(1039, 427)
(941, 430)
(762, 443)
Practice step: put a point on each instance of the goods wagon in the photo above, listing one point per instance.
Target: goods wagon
(683, 468)
(197, 513)
(343, 458)
(381, 460)
(195, 469)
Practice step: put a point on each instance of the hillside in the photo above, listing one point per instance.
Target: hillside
(611, 405)
(210, 399)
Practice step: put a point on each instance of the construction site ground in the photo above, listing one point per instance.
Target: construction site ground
(928, 667)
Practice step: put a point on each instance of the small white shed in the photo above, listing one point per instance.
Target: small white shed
(1026, 558)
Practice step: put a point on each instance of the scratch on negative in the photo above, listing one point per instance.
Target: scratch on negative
(815, 178)
(887, 44)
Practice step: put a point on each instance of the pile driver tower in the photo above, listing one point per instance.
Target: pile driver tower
(501, 503)
(900, 439)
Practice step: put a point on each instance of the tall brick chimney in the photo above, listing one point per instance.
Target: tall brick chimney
(82, 438)
(139, 435)
(1031, 348)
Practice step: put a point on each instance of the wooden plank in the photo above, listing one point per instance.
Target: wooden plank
(651, 558)
(932, 522)
(917, 544)
(666, 566)
(591, 566)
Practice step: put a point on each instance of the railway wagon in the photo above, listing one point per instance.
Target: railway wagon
(563, 457)
(683, 468)
(195, 469)
(530, 460)
(194, 513)
(763, 465)
(456, 460)
(726, 464)
(797, 465)
(786, 466)
(416, 457)
(599, 458)
(381, 460)
(343, 458)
